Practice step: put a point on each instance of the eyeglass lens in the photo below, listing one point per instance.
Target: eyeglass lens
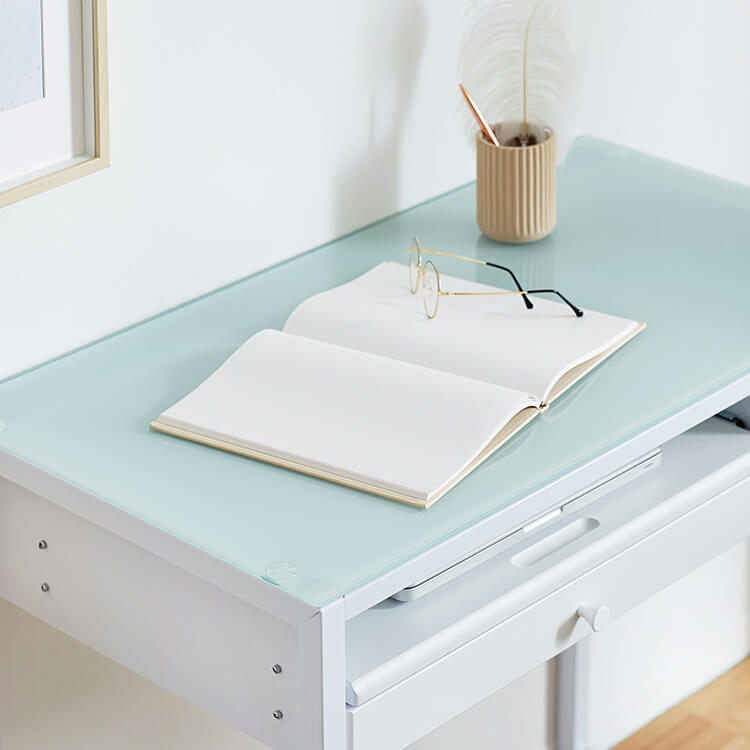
(430, 288)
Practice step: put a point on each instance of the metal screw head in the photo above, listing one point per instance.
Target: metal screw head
(45, 587)
(276, 668)
(42, 544)
(277, 714)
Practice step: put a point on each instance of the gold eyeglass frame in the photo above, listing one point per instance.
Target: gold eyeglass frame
(415, 247)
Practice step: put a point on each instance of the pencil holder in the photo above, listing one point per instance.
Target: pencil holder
(516, 185)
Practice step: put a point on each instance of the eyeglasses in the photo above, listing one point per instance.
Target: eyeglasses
(429, 276)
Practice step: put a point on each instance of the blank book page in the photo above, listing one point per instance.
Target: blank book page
(393, 424)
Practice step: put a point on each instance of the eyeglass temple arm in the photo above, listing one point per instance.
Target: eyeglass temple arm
(529, 304)
(577, 310)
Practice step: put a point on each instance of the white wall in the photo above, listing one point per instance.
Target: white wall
(242, 133)
(245, 136)
(241, 139)
(668, 77)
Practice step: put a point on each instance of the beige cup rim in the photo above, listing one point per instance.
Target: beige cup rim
(481, 139)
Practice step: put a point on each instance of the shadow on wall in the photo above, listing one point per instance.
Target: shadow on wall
(367, 187)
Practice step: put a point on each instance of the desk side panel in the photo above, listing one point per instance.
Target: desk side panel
(192, 559)
(173, 628)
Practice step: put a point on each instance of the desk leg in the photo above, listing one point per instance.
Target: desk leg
(573, 679)
(324, 689)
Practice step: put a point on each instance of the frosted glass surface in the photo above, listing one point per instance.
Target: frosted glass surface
(636, 237)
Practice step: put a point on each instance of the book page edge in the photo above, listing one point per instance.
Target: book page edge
(593, 362)
(512, 426)
(285, 464)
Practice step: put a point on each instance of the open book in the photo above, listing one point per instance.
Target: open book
(361, 388)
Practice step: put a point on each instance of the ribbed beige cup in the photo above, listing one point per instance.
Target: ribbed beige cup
(516, 190)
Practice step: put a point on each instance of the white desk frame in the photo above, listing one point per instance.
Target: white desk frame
(308, 643)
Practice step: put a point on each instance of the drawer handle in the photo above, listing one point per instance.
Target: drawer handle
(558, 539)
(596, 617)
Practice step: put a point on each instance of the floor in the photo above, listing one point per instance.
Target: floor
(715, 718)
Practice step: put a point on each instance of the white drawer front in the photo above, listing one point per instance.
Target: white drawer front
(443, 689)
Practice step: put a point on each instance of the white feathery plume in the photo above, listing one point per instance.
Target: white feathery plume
(509, 43)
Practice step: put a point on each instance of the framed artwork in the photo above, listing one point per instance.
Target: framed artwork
(53, 94)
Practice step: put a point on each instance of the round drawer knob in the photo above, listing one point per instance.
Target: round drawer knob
(596, 617)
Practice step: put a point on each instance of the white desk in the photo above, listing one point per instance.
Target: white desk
(202, 571)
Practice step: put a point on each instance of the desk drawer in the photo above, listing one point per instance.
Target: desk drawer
(169, 626)
(476, 634)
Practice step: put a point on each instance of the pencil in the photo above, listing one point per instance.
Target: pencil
(486, 129)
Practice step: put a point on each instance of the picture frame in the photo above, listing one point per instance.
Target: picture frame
(87, 107)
